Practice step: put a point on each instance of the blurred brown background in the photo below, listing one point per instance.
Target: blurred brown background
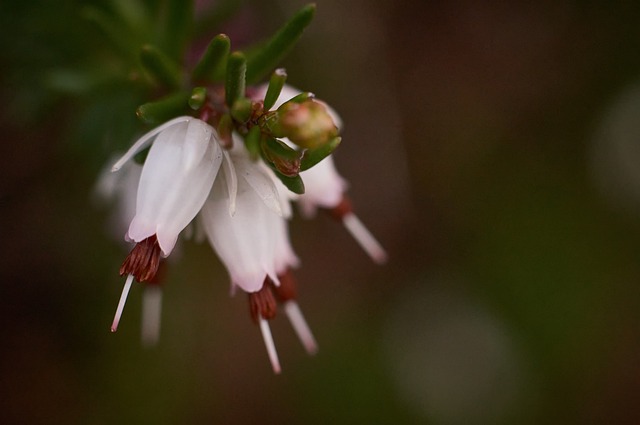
(492, 147)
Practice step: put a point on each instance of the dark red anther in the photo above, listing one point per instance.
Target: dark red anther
(143, 260)
(287, 289)
(343, 208)
(262, 303)
(158, 279)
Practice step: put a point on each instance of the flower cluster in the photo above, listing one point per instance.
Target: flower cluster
(196, 174)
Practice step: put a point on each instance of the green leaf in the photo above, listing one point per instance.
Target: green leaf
(176, 27)
(198, 97)
(213, 58)
(135, 15)
(163, 70)
(225, 130)
(313, 156)
(76, 81)
(113, 32)
(266, 58)
(241, 109)
(235, 81)
(294, 184)
(164, 109)
(252, 142)
(278, 78)
(285, 159)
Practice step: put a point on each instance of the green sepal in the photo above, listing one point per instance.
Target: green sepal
(225, 130)
(177, 20)
(312, 156)
(241, 109)
(197, 98)
(267, 57)
(285, 159)
(160, 67)
(294, 184)
(235, 81)
(164, 109)
(270, 123)
(252, 142)
(278, 78)
(213, 59)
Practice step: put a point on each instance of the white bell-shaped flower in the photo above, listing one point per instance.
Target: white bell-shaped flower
(176, 179)
(251, 238)
(253, 243)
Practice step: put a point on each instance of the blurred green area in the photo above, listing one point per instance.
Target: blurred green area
(473, 143)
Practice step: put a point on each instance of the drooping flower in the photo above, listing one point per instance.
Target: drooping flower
(176, 179)
(245, 241)
(120, 189)
(253, 244)
(326, 189)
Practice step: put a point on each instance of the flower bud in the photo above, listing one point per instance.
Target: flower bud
(307, 124)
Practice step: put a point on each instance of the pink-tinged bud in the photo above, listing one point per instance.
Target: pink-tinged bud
(307, 124)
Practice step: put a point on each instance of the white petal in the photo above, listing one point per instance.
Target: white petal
(261, 182)
(323, 186)
(245, 242)
(173, 189)
(196, 140)
(232, 181)
(285, 258)
(145, 140)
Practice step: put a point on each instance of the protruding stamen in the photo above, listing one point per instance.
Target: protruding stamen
(364, 238)
(121, 303)
(271, 347)
(151, 314)
(300, 326)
